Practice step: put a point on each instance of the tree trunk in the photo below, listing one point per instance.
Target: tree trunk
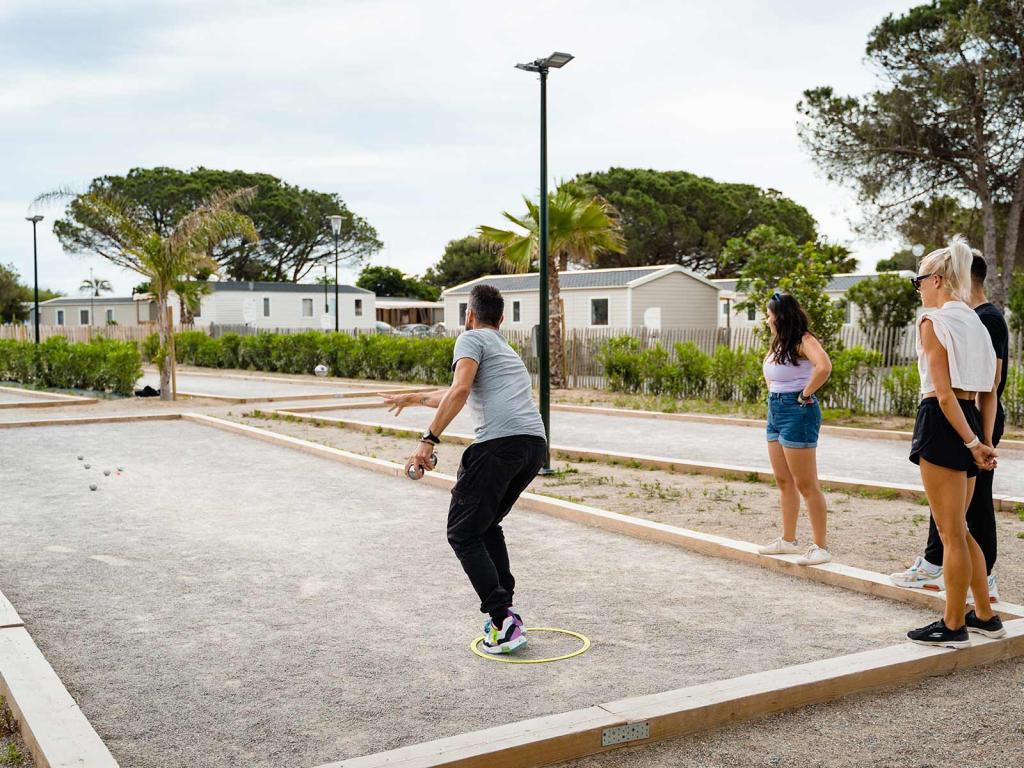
(165, 346)
(555, 326)
(990, 246)
(1011, 238)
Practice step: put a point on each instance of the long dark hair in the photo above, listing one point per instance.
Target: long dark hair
(791, 323)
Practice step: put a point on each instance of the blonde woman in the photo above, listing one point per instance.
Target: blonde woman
(957, 365)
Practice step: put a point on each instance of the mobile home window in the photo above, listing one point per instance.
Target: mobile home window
(462, 312)
(60, 317)
(515, 311)
(307, 307)
(110, 317)
(359, 307)
(266, 306)
(751, 313)
(599, 311)
(83, 317)
(725, 309)
(199, 309)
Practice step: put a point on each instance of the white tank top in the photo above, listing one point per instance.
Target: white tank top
(972, 360)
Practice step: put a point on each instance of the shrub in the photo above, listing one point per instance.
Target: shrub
(1013, 396)
(727, 368)
(620, 358)
(753, 388)
(850, 367)
(657, 374)
(693, 366)
(102, 364)
(903, 386)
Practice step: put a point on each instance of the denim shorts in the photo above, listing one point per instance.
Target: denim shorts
(791, 424)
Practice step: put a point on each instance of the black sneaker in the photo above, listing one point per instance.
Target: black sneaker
(991, 628)
(940, 636)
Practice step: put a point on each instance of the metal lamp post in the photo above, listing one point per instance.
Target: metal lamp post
(336, 220)
(35, 271)
(542, 66)
(327, 303)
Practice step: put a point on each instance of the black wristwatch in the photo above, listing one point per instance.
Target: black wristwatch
(430, 437)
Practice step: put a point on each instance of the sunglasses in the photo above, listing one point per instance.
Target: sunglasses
(916, 281)
(776, 296)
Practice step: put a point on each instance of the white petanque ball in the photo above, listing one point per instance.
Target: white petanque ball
(92, 486)
(320, 370)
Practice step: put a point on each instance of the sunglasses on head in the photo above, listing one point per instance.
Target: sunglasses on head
(916, 281)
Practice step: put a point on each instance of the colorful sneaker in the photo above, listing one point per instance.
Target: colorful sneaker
(780, 547)
(921, 575)
(509, 638)
(513, 614)
(991, 628)
(815, 555)
(939, 635)
(993, 590)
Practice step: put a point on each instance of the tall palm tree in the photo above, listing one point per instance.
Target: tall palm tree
(580, 227)
(164, 260)
(94, 286)
(190, 296)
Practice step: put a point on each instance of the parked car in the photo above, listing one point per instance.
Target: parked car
(385, 328)
(416, 330)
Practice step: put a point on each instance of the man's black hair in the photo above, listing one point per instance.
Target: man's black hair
(979, 269)
(487, 304)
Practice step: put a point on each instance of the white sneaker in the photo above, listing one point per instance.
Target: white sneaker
(919, 576)
(815, 555)
(780, 547)
(993, 590)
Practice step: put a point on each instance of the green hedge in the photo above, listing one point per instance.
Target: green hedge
(728, 374)
(371, 356)
(102, 365)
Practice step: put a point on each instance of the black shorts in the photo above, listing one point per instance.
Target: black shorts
(937, 442)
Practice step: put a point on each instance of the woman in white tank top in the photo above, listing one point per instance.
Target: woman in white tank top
(957, 365)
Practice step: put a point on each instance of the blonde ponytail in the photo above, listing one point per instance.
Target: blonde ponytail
(953, 264)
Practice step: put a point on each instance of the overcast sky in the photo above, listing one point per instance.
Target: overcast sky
(412, 111)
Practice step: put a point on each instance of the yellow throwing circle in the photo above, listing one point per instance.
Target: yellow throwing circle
(504, 658)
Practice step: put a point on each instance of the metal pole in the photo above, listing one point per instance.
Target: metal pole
(92, 298)
(337, 313)
(35, 275)
(327, 303)
(543, 345)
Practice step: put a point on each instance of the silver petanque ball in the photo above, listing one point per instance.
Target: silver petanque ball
(87, 466)
(416, 473)
(320, 370)
(106, 473)
(81, 457)
(92, 486)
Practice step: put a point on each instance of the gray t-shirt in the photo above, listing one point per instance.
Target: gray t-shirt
(501, 399)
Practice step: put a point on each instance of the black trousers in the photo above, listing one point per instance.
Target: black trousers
(981, 518)
(491, 477)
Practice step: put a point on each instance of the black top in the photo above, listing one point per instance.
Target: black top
(995, 324)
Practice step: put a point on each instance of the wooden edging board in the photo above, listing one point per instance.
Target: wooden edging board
(372, 385)
(834, 574)
(44, 399)
(740, 421)
(52, 726)
(542, 741)
(72, 420)
(1001, 502)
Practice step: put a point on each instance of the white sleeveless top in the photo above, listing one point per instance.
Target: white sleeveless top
(972, 360)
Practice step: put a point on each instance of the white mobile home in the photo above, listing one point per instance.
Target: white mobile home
(285, 305)
(100, 310)
(629, 297)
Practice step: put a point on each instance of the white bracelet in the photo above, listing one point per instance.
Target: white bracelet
(973, 444)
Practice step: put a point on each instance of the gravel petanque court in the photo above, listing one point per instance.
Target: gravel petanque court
(244, 387)
(28, 396)
(226, 602)
(855, 458)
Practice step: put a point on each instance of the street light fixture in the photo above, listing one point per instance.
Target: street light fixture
(35, 271)
(556, 60)
(336, 221)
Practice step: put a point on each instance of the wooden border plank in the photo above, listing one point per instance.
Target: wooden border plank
(75, 420)
(833, 574)
(53, 727)
(695, 708)
(59, 396)
(8, 616)
(741, 421)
